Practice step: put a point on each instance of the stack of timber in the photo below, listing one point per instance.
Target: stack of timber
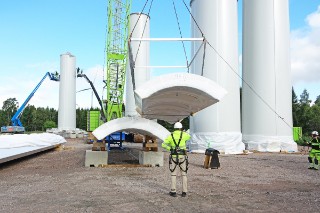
(151, 144)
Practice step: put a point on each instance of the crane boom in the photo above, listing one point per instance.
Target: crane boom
(116, 55)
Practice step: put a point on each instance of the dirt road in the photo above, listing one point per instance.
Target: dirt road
(57, 181)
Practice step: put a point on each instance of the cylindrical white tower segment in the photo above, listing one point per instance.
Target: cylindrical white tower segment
(67, 92)
(217, 126)
(267, 112)
(140, 28)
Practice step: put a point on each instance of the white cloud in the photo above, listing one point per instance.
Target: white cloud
(314, 18)
(46, 66)
(305, 51)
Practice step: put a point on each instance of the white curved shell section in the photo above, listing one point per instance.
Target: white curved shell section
(141, 22)
(173, 97)
(131, 124)
(266, 68)
(67, 92)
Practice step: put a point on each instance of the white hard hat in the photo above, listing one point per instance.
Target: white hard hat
(177, 125)
(315, 133)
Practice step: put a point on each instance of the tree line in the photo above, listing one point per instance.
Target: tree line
(38, 118)
(304, 113)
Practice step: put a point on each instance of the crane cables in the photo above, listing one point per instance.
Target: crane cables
(235, 72)
(131, 61)
(204, 45)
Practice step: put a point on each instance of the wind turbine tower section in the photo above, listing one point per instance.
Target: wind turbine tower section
(217, 126)
(266, 92)
(139, 27)
(67, 92)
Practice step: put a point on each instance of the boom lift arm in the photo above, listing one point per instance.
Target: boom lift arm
(16, 117)
(16, 123)
(80, 74)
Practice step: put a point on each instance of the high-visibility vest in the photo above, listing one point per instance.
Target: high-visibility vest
(169, 142)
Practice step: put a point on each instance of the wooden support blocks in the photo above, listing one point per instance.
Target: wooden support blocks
(90, 138)
(99, 146)
(151, 144)
(206, 161)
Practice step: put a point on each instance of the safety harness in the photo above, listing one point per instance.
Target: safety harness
(177, 151)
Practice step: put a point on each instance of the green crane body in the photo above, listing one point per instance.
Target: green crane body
(116, 55)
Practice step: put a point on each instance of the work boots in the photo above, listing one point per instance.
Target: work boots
(173, 194)
(184, 194)
(316, 164)
(311, 166)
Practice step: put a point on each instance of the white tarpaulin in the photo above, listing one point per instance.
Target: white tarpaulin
(175, 96)
(270, 144)
(20, 145)
(132, 125)
(226, 142)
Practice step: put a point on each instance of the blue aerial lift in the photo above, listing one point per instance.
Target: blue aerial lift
(16, 123)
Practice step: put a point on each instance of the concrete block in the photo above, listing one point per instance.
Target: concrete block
(151, 158)
(79, 135)
(73, 135)
(96, 158)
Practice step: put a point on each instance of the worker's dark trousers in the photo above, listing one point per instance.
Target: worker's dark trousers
(183, 173)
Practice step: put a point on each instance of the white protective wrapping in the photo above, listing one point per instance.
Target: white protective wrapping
(218, 21)
(269, 143)
(175, 96)
(131, 125)
(20, 145)
(266, 70)
(225, 142)
(32, 140)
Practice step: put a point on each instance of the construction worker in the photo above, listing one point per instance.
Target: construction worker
(178, 159)
(314, 154)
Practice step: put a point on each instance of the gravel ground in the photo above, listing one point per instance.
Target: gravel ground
(57, 181)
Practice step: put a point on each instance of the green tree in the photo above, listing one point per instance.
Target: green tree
(2, 118)
(169, 127)
(49, 125)
(304, 97)
(313, 115)
(27, 117)
(317, 102)
(39, 117)
(295, 108)
(9, 107)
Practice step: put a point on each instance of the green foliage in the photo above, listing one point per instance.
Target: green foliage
(317, 101)
(304, 97)
(304, 114)
(169, 127)
(49, 125)
(81, 118)
(9, 107)
(295, 108)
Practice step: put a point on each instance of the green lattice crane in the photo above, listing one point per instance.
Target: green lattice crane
(116, 55)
